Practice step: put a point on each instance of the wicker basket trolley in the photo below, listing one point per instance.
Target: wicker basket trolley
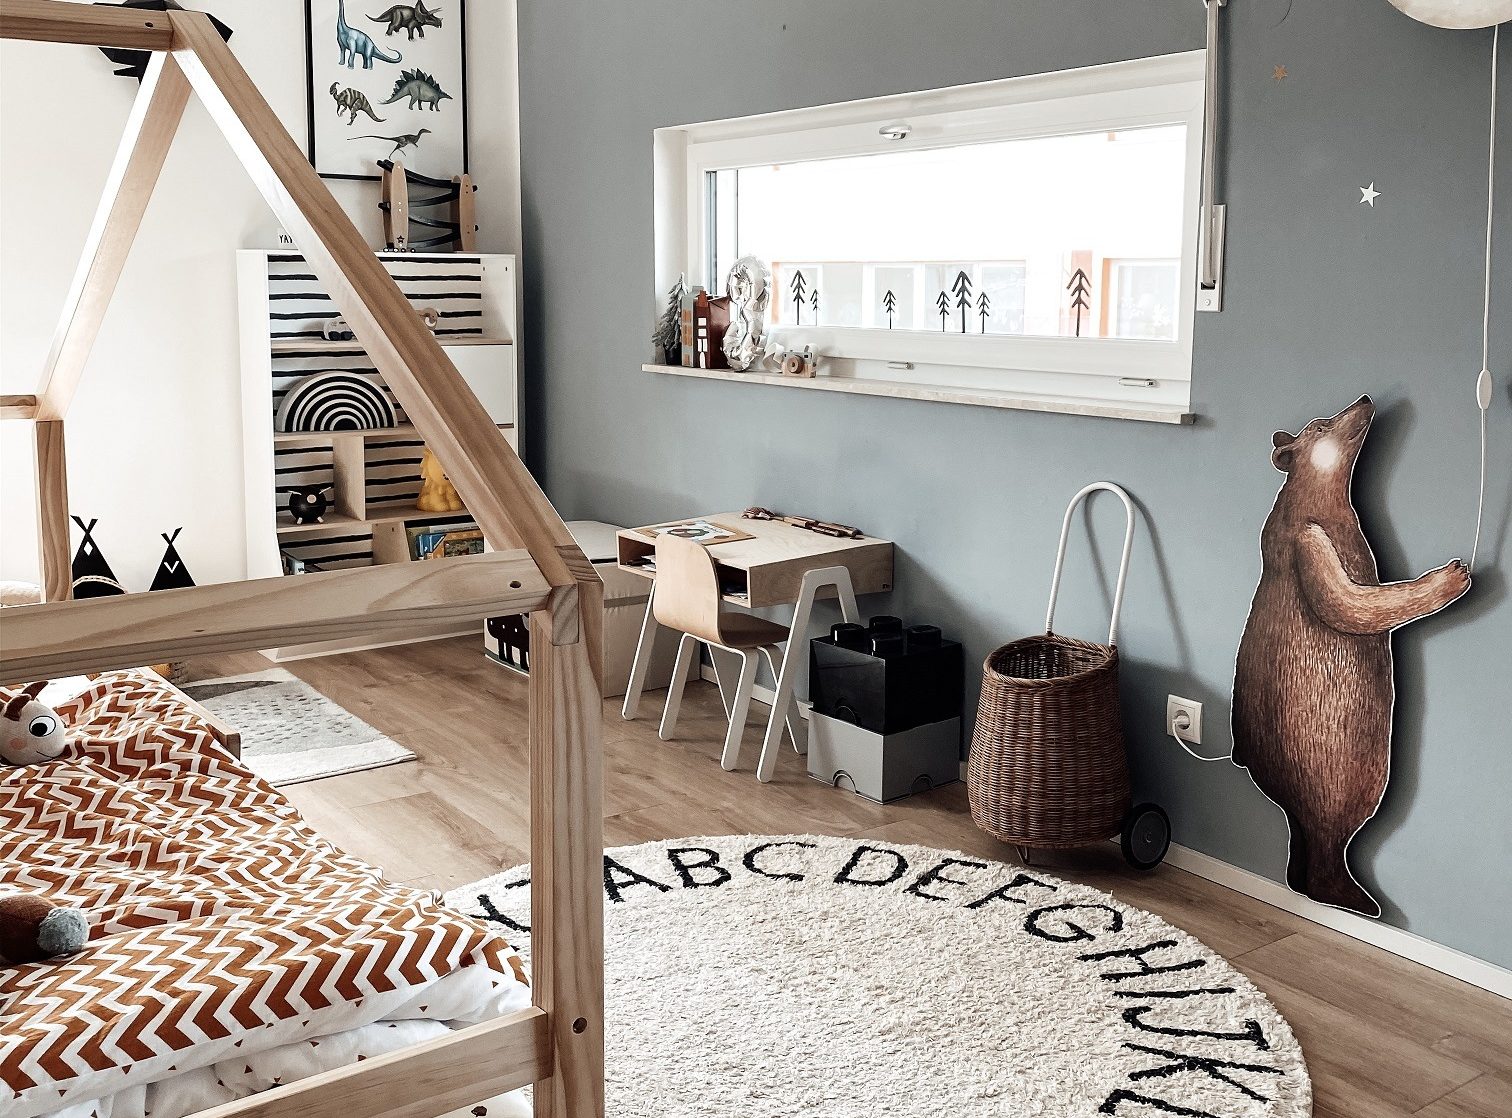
(1048, 768)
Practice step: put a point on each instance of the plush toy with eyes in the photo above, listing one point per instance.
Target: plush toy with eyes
(31, 731)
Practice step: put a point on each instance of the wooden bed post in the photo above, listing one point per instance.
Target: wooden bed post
(567, 857)
(52, 509)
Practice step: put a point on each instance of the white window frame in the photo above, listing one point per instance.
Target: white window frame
(1141, 93)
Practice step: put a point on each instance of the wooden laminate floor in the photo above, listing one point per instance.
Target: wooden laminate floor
(1383, 1037)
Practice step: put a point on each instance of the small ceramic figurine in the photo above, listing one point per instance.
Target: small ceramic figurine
(308, 505)
(750, 290)
(437, 494)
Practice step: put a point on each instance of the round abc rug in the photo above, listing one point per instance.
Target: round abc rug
(776, 976)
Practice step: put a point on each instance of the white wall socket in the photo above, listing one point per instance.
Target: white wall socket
(1191, 730)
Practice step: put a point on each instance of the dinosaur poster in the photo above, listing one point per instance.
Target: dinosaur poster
(1313, 684)
(387, 81)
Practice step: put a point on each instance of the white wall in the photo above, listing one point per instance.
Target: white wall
(154, 435)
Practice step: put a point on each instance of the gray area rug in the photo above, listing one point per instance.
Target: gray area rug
(801, 976)
(291, 732)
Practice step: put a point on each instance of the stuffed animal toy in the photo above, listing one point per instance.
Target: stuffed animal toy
(32, 928)
(31, 731)
(437, 493)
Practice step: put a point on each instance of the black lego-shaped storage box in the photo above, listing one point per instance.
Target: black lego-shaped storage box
(884, 678)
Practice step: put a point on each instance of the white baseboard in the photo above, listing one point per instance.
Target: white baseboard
(1407, 945)
(1445, 960)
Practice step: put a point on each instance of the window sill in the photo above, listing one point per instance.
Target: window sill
(978, 397)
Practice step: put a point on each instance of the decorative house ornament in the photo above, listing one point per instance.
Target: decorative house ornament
(1461, 14)
(1313, 686)
(749, 288)
(334, 401)
(171, 573)
(385, 82)
(688, 311)
(92, 575)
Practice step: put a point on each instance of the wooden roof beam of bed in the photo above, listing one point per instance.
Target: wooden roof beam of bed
(97, 634)
(18, 407)
(47, 21)
(149, 132)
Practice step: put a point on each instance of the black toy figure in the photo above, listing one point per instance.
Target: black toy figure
(133, 63)
(308, 505)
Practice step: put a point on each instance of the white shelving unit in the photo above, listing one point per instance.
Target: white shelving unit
(372, 475)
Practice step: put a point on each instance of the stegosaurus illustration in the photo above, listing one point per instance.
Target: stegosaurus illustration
(420, 88)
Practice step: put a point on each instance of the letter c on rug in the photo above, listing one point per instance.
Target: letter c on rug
(750, 859)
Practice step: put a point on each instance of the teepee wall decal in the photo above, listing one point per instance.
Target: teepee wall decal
(171, 572)
(92, 575)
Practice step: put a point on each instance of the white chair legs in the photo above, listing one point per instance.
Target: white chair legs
(738, 710)
(737, 699)
(687, 658)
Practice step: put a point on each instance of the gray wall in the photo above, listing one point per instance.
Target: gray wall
(1328, 299)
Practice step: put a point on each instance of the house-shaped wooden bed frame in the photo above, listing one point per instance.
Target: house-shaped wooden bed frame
(559, 1043)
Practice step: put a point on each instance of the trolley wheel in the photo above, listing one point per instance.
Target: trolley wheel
(1146, 836)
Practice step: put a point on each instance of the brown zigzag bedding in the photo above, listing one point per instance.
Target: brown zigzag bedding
(222, 925)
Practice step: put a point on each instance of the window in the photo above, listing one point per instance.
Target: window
(1030, 236)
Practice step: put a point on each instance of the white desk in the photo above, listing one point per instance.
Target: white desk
(779, 565)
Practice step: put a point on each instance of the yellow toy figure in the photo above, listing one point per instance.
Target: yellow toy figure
(437, 494)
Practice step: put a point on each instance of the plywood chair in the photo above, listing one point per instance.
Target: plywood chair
(688, 599)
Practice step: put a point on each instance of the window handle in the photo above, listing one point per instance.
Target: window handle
(1212, 233)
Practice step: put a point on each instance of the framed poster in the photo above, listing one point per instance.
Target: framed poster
(387, 81)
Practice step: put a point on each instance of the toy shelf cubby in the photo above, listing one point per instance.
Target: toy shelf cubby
(371, 475)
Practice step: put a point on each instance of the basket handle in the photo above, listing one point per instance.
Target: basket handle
(1123, 565)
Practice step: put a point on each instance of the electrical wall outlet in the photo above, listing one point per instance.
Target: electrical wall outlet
(1184, 719)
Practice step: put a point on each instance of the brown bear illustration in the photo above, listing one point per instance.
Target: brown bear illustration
(1313, 689)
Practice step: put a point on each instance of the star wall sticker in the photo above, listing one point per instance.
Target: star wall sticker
(1280, 73)
(1368, 195)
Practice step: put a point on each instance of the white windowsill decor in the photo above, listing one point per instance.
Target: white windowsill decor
(947, 394)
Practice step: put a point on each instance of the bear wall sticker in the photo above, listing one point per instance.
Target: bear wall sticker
(1313, 687)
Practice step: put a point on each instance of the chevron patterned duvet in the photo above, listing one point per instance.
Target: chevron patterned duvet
(232, 950)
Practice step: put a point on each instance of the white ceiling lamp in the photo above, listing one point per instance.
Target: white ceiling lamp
(1459, 14)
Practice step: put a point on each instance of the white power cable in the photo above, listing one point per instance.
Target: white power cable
(1181, 722)
(1483, 382)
